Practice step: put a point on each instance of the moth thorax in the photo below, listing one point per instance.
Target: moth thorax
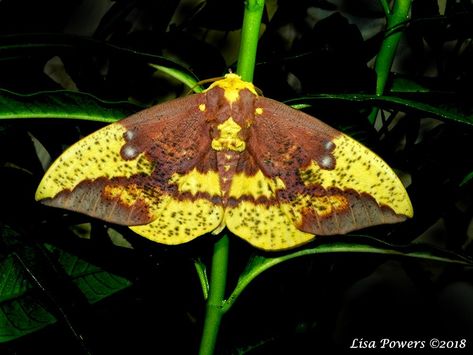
(228, 137)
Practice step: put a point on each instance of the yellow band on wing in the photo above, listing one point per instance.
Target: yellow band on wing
(195, 182)
(359, 169)
(95, 156)
(256, 185)
(181, 221)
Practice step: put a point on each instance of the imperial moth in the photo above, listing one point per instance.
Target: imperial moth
(227, 157)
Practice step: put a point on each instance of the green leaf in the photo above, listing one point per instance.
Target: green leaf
(201, 270)
(467, 179)
(52, 44)
(446, 113)
(61, 104)
(94, 282)
(184, 77)
(259, 263)
(403, 85)
(21, 313)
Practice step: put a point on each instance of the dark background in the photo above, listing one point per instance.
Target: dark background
(315, 304)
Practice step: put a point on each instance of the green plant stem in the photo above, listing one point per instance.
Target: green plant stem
(218, 274)
(249, 38)
(218, 281)
(386, 8)
(387, 52)
(385, 57)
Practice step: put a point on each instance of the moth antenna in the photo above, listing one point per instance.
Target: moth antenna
(211, 80)
(205, 81)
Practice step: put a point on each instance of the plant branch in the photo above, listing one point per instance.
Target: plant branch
(387, 52)
(249, 38)
(386, 8)
(218, 281)
(360, 245)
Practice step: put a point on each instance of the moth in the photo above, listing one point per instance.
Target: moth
(226, 157)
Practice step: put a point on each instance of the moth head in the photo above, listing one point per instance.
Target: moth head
(232, 85)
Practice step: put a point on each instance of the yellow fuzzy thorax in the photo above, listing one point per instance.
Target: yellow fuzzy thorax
(229, 137)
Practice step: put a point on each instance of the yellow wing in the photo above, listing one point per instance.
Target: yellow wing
(310, 180)
(145, 173)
